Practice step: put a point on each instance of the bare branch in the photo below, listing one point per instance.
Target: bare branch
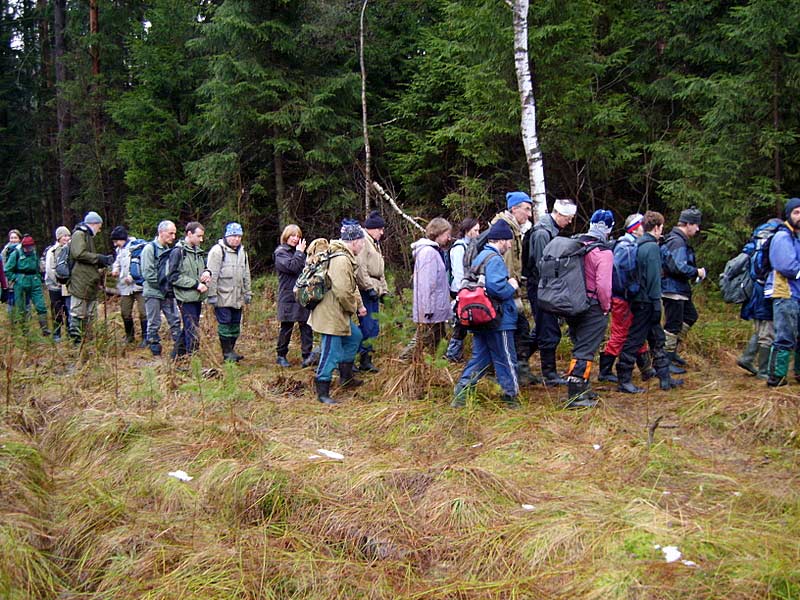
(383, 194)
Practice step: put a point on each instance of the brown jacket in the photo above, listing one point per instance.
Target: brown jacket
(513, 257)
(370, 273)
(340, 304)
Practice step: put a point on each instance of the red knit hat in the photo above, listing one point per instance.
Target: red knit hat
(28, 241)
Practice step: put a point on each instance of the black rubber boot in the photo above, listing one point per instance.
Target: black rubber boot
(666, 382)
(346, 379)
(310, 360)
(143, 343)
(75, 330)
(324, 391)
(365, 363)
(226, 343)
(550, 376)
(763, 362)
(44, 325)
(607, 368)
(676, 359)
(510, 401)
(645, 366)
(626, 384)
(747, 360)
(236, 356)
(524, 375)
(576, 394)
(129, 334)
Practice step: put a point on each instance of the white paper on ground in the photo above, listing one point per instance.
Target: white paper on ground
(596, 446)
(528, 507)
(330, 454)
(182, 475)
(671, 553)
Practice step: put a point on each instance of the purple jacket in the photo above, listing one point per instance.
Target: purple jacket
(431, 289)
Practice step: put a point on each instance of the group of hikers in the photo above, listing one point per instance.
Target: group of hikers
(478, 284)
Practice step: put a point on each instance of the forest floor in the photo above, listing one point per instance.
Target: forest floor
(425, 502)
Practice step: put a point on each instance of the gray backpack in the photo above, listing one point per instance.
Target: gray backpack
(735, 282)
(562, 284)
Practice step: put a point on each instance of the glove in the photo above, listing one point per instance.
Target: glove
(212, 300)
(4, 295)
(248, 298)
(107, 260)
(383, 297)
(429, 316)
(373, 295)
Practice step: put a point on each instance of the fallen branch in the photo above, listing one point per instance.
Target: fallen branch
(383, 194)
(651, 430)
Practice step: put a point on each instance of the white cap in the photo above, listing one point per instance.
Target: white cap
(566, 207)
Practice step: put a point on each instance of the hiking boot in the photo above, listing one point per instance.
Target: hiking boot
(576, 394)
(282, 362)
(510, 401)
(310, 360)
(346, 379)
(606, 368)
(324, 391)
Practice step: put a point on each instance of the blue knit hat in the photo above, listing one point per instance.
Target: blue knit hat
(601, 224)
(790, 206)
(514, 198)
(350, 230)
(500, 230)
(233, 229)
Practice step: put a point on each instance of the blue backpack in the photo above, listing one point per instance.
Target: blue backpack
(135, 247)
(625, 279)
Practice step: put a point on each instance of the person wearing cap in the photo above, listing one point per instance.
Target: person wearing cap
(621, 315)
(371, 279)
(59, 294)
(334, 316)
(680, 270)
(14, 238)
(290, 259)
(586, 330)
(783, 286)
(157, 302)
(229, 287)
(494, 347)
(431, 300)
(547, 332)
(22, 270)
(646, 310)
(130, 292)
(517, 216)
(84, 281)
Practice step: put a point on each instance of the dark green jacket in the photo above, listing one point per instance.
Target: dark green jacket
(648, 263)
(85, 279)
(187, 264)
(23, 269)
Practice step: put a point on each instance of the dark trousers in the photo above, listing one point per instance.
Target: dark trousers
(285, 336)
(678, 312)
(368, 323)
(190, 317)
(523, 342)
(586, 331)
(59, 306)
(646, 326)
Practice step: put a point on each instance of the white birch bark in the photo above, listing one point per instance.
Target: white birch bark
(367, 153)
(530, 139)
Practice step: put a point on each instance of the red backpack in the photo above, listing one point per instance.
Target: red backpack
(475, 309)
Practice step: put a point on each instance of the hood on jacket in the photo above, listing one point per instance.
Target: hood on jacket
(421, 243)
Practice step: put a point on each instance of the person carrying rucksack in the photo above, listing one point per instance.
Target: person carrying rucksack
(23, 271)
(58, 292)
(680, 270)
(783, 286)
(468, 230)
(334, 316)
(758, 308)
(495, 346)
(371, 278)
(625, 284)
(547, 327)
(229, 288)
(14, 238)
(130, 291)
(157, 300)
(646, 309)
(189, 278)
(84, 279)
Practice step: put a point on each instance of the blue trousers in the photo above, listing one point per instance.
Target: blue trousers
(190, 315)
(368, 324)
(491, 348)
(786, 315)
(335, 349)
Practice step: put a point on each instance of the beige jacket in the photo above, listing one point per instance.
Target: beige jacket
(370, 273)
(341, 303)
(230, 276)
(513, 257)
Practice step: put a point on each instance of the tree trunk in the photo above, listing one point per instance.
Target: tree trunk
(776, 123)
(367, 153)
(94, 29)
(62, 113)
(530, 140)
(284, 214)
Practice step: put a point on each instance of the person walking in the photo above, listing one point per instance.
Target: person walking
(84, 280)
(130, 291)
(157, 301)
(290, 259)
(468, 230)
(189, 277)
(371, 279)
(14, 238)
(59, 294)
(23, 273)
(495, 346)
(783, 287)
(229, 287)
(333, 316)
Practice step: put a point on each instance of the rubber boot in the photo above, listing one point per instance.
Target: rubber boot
(645, 365)
(324, 391)
(671, 346)
(510, 401)
(576, 394)
(226, 343)
(76, 330)
(746, 360)
(282, 362)
(236, 356)
(607, 368)
(455, 350)
(778, 367)
(143, 324)
(310, 360)
(346, 379)
(626, 385)
(524, 375)
(129, 335)
(763, 363)
(550, 376)
(666, 382)
(365, 363)
(675, 363)
(43, 325)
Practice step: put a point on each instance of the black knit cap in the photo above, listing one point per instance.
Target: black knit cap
(119, 233)
(691, 216)
(374, 221)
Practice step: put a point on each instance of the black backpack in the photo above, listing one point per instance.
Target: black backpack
(562, 284)
(64, 264)
(472, 250)
(165, 268)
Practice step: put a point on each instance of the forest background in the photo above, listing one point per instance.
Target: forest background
(251, 110)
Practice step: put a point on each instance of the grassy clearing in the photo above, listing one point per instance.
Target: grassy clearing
(428, 502)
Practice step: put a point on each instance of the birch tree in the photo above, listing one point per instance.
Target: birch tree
(530, 140)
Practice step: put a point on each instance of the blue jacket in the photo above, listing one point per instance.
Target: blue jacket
(758, 306)
(784, 256)
(678, 262)
(497, 286)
